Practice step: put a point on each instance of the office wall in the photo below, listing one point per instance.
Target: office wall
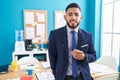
(94, 12)
(11, 19)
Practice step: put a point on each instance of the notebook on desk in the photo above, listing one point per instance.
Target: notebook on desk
(44, 75)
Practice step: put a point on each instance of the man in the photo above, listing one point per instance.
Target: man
(71, 48)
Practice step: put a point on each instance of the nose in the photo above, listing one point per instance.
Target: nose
(73, 16)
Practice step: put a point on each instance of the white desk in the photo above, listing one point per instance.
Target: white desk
(29, 53)
(102, 72)
(95, 75)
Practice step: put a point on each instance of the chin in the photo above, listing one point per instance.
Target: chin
(73, 27)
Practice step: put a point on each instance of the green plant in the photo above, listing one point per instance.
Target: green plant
(35, 46)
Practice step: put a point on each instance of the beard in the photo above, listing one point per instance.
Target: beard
(72, 27)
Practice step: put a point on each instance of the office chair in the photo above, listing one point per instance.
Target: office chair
(27, 60)
(109, 61)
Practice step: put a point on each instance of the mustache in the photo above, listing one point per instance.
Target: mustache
(72, 20)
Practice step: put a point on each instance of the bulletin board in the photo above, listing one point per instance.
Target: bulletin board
(35, 26)
(59, 19)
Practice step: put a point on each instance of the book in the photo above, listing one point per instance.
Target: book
(26, 78)
(45, 75)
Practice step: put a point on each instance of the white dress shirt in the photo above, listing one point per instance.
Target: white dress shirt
(69, 71)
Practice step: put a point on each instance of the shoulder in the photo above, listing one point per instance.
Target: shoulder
(84, 32)
(59, 30)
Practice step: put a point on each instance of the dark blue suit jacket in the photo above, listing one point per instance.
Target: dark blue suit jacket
(58, 52)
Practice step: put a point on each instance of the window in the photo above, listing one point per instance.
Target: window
(110, 35)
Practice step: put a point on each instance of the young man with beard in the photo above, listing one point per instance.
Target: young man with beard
(71, 48)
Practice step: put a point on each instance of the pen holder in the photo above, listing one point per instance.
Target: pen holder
(30, 70)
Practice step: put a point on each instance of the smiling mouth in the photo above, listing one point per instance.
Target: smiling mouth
(73, 21)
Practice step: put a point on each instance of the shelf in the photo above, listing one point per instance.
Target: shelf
(40, 55)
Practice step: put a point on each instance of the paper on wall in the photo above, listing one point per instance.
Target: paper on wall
(29, 17)
(40, 17)
(30, 32)
(40, 29)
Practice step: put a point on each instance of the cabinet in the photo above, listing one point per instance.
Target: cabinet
(40, 55)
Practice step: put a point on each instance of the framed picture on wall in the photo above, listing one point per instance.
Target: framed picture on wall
(59, 19)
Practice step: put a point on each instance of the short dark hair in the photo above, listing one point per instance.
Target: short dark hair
(71, 5)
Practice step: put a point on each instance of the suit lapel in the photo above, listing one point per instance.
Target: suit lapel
(65, 39)
(80, 39)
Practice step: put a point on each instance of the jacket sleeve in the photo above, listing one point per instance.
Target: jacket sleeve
(90, 55)
(52, 52)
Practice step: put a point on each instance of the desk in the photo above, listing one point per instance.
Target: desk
(101, 71)
(19, 73)
(11, 74)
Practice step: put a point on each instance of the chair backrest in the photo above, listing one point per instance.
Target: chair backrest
(27, 60)
(109, 61)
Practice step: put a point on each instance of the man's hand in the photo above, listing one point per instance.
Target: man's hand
(78, 54)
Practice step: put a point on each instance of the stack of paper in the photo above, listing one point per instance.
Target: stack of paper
(46, 64)
(45, 75)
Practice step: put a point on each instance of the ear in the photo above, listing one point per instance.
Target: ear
(65, 17)
(81, 18)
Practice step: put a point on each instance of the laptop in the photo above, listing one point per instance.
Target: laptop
(4, 68)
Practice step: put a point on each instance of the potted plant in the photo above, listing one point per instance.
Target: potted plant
(35, 47)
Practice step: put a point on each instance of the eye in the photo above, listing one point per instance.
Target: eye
(76, 14)
(69, 14)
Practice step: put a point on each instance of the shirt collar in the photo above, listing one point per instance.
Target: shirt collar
(69, 29)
